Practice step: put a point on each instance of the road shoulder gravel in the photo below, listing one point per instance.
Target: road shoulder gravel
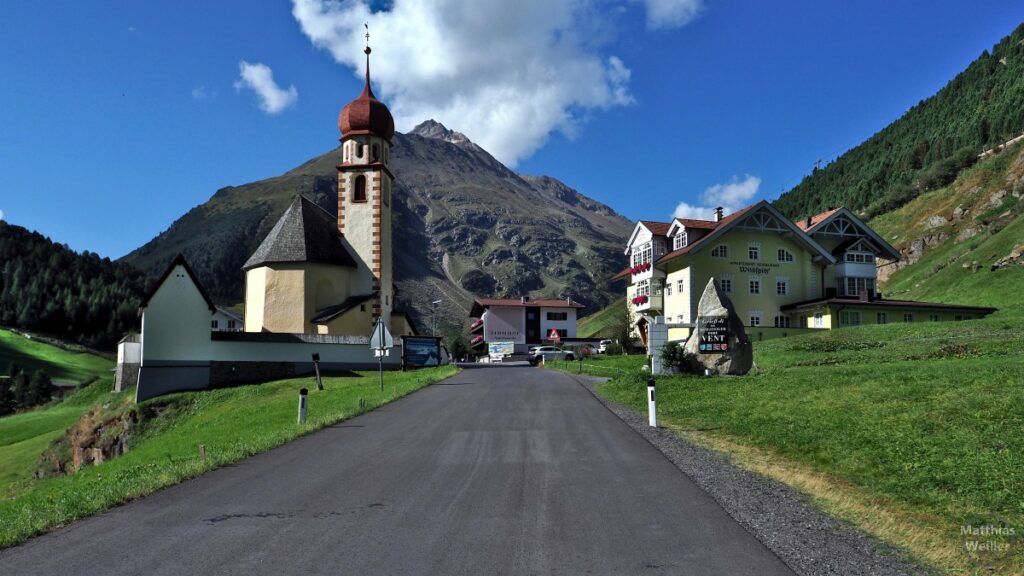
(808, 540)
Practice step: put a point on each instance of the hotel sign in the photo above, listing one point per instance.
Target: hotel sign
(712, 334)
(755, 267)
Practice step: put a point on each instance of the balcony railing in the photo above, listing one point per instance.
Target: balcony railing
(644, 303)
(478, 325)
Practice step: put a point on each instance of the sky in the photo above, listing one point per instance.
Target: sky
(117, 117)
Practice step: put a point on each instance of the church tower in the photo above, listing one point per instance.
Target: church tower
(364, 189)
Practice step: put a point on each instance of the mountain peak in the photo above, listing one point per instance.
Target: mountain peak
(433, 129)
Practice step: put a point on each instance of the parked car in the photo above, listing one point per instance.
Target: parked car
(550, 353)
(602, 346)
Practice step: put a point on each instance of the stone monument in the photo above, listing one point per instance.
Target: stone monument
(719, 342)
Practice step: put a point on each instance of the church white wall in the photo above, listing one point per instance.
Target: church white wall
(255, 286)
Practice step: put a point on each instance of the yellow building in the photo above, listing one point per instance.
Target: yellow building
(783, 277)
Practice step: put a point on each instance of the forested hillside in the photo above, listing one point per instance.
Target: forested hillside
(47, 287)
(929, 145)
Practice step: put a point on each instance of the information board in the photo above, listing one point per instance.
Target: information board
(501, 348)
(420, 351)
(712, 334)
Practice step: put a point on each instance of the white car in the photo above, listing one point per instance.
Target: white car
(602, 346)
(550, 353)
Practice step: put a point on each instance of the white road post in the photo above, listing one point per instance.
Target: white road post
(302, 405)
(652, 410)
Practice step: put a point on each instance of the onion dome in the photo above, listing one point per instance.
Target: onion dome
(366, 114)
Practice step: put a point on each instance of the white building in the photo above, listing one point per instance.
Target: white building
(523, 322)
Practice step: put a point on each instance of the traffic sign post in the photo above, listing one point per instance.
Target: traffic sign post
(316, 366)
(381, 342)
(554, 336)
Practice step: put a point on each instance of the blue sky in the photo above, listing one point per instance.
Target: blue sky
(120, 116)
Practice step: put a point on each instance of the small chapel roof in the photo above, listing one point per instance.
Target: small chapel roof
(305, 233)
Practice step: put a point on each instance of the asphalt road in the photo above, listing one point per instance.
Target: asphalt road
(500, 470)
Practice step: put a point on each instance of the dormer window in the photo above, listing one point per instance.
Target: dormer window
(860, 257)
(679, 241)
(643, 253)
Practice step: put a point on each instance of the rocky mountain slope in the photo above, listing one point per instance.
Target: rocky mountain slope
(464, 225)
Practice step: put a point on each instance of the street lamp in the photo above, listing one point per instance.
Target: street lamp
(433, 316)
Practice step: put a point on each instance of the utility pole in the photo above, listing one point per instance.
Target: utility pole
(433, 316)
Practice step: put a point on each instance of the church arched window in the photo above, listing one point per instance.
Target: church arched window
(376, 152)
(359, 190)
(359, 149)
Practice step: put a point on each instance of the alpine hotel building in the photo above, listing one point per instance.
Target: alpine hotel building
(782, 276)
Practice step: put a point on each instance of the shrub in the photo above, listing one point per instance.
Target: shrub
(675, 356)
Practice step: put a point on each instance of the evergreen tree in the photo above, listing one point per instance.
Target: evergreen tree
(20, 391)
(41, 388)
(6, 398)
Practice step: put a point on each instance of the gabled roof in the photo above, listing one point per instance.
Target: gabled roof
(736, 217)
(481, 304)
(654, 227)
(806, 224)
(819, 221)
(331, 312)
(305, 233)
(179, 260)
(690, 223)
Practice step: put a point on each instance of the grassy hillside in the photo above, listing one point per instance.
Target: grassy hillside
(232, 424)
(24, 436)
(922, 150)
(907, 430)
(600, 323)
(61, 364)
(957, 252)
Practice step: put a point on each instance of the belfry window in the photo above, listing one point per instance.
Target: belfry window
(359, 190)
(376, 153)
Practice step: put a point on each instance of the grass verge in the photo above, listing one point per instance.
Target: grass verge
(232, 424)
(908, 431)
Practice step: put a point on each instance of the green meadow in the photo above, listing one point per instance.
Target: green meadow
(923, 423)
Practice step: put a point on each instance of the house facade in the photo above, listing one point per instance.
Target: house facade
(782, 276)
(524, 322)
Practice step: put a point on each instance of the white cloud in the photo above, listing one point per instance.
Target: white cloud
(200, 93)
(506, 74)
(260, 79)
(731, 195)
(671, 13)
(1, 214)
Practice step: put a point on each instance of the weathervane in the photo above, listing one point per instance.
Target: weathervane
(367, 26)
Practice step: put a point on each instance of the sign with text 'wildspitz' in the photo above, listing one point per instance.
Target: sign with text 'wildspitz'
(713, 334)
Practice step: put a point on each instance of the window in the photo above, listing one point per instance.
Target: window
(215, 324)
(755, 317)
(680, 318)
(819, 320)
(755, 284)
(785, 255)
(679, 241)
(558, 315)
(359, 190)
(231, 324)
(782, 286)
(781, 321)
(376, 152)
(803, 321)
(848, 318)
(933, 318)
(642, 253)
(679, 286)
(851, 286)
(668, 289)
(531, 315)
(754, 251)
(563, 332)
(860, 257)
(359, 149)
(908, 317)
(643, 288)
(725, 283)
(720, 251)
(882, 318)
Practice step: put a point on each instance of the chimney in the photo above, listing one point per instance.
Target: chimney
(718, 214)
(809, 220)
(525, 299)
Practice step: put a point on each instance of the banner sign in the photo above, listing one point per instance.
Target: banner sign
(713, 334)
(501, 348)
(421, 351)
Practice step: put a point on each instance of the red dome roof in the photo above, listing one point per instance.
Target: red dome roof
(366, 114)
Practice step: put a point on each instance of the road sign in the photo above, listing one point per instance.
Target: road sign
(381, 338)
(554, 336)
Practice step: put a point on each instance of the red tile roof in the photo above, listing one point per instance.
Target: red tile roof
(657, 228)
(848, 301)
(814, 220)
(702, 224)
(685, 249)
(518, 302)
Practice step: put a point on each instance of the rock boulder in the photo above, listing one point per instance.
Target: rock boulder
(720, 341)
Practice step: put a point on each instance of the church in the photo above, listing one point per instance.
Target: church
(314, 287)
(317, 275)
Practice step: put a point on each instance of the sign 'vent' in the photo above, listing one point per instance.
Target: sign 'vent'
(713, 334)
